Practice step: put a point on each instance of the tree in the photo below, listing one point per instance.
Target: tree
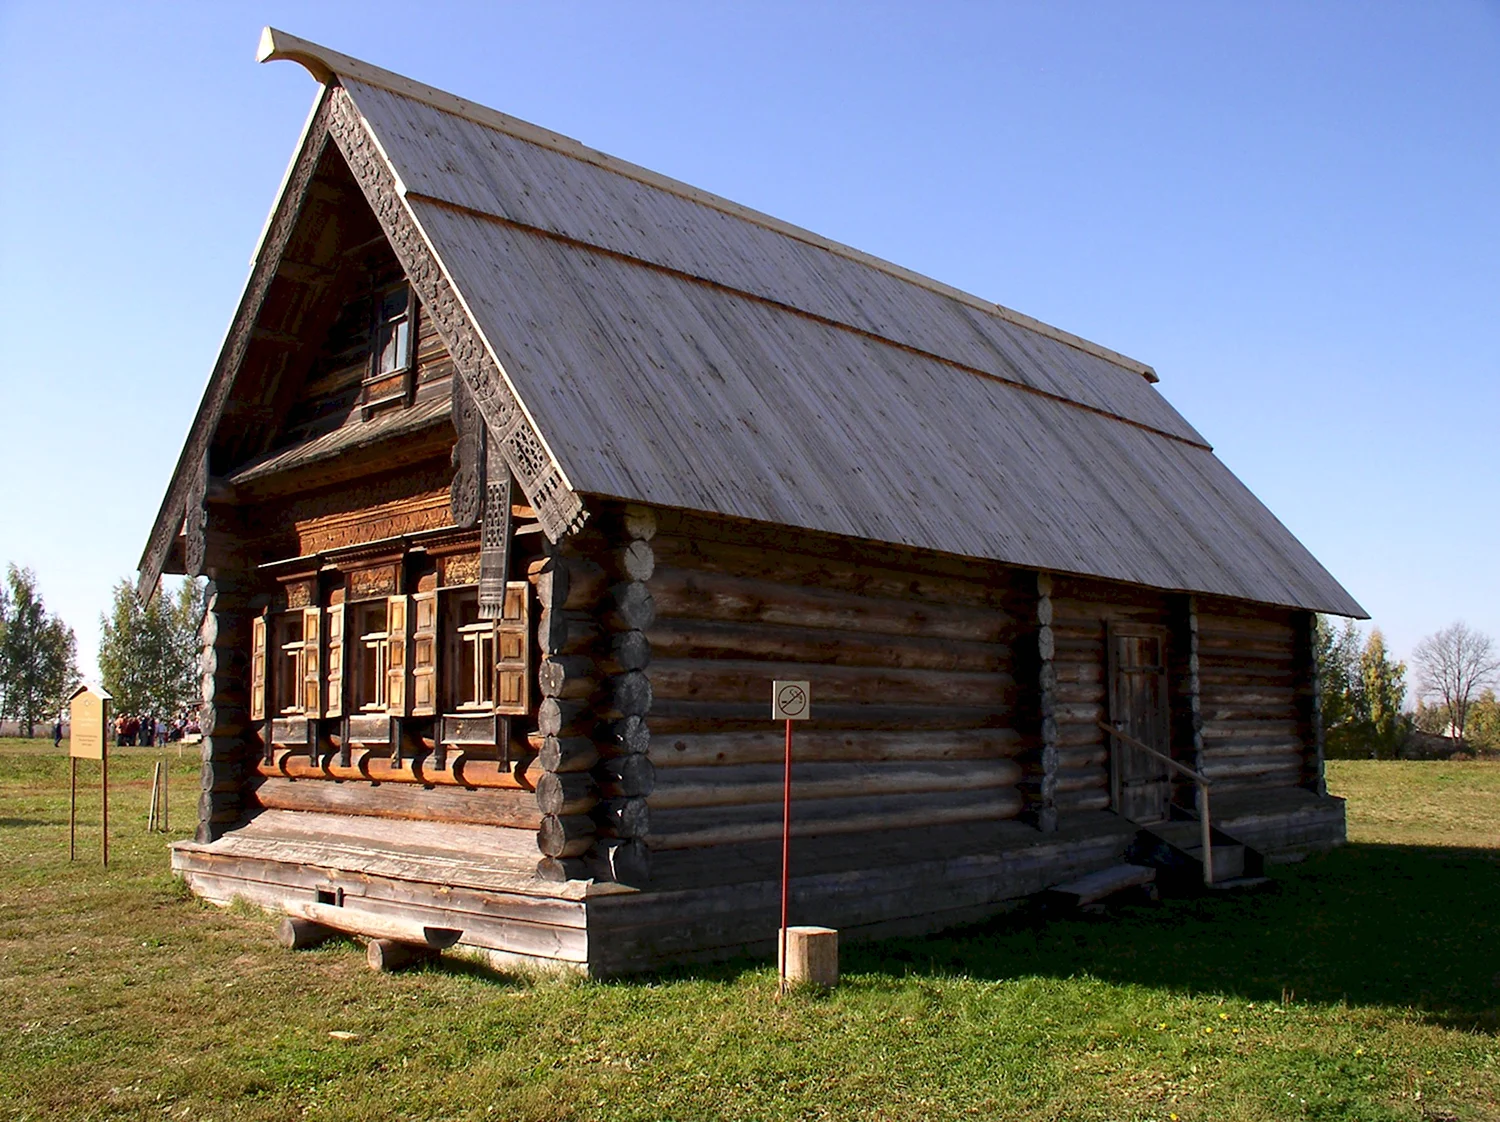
(38, 654)
(1452, 665)
(1383, 688)
(1337, 653)
(148, 654)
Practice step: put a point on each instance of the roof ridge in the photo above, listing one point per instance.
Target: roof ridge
(328, 65)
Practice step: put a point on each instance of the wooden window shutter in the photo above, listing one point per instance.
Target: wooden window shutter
(258, 668)
(312, 669)
(424, 654)
(335, 705)
(512, 652)
(397, 641)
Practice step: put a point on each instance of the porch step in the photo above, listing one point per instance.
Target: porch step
(1238, 884)
(1229, 860)
(1094, 887)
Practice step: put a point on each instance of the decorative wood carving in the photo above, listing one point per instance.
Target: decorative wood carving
(458, 569)
(494, 541)
(466, 494)
(366, 584)
(195, 451)
(559, 510)
(299, 594)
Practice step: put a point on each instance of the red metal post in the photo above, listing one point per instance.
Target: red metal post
(786, 847)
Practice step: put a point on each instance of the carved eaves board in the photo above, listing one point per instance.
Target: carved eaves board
(509, 430)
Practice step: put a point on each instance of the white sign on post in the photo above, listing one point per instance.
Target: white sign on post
(790, 701)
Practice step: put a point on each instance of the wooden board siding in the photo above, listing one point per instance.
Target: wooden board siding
(911, 665)
(1254, 729)
(1082, 611)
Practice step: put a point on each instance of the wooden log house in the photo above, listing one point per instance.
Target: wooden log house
(524, 470)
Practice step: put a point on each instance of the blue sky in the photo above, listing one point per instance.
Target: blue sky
(1291, 210)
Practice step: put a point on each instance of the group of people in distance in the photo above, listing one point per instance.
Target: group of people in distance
(132, 731)
(145, 732)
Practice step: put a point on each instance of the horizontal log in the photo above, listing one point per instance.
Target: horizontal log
(398, 800)
(566, 632)
(375, 925)
(462, 770)
(1245, 766)
(1077, 802)
(1250, 730)
(762, 783)
(565, 837)
(567, 794)
(623, 818)
(568, 754)
(557, 717)
(683, 594)
(734, 639)
(567, 676)
(569, 581)
(625, 776)
(555, 870)
(673, 717)
(784, 566)
(692, 827)
(636, 562)
(767, 746)
(749, 682)
(628, 695)
(640, 522)
(297, 934)
(1224, 750)
(1220, 694)
(628, 606)
(626, 735)
(1087, 778)
(628, 650)
(624, 861)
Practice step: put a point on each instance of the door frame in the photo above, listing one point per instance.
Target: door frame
(1113, 631)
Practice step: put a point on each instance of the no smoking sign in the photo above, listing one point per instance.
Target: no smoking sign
(791, 701)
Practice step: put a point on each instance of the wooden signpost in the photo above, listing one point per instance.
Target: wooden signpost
(88, 715)
(790, 701)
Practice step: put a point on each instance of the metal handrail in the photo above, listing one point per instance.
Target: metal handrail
(1204, 822)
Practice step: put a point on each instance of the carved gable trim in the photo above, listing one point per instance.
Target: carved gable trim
(184, 497)
(509, 430)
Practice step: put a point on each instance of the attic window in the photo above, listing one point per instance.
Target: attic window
(392, 351)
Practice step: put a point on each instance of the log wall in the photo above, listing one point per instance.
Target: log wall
(1254, 673)
(915, 692)
(1082, 611)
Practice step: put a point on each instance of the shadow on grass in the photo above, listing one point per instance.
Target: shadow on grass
(1386, 925)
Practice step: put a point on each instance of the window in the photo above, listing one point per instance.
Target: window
(475, 687)
(290, 656)
(392, 331)
(371, 656)
(486, 664)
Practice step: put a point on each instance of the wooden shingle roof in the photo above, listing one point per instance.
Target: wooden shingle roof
(673, 348)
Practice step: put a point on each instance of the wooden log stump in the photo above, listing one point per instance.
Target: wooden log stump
(294, 934)
(812, 957)
(386, 955)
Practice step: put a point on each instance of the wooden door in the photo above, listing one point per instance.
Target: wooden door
(1139, 782)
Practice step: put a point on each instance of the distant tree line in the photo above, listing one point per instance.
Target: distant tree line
(1363, 691)
(38, 654)
(148, 653)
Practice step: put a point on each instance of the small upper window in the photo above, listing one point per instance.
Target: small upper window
(393, 332)
(392, 347)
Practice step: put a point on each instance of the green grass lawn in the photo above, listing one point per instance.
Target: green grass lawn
(1366, 987)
